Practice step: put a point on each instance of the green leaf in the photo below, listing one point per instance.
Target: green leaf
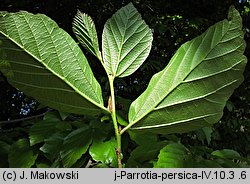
(85, 31)
(207, 164)
(122, 110)
(63, 115)
(226, 154)
(82, 162)
(104, 152)
(44, 62)
(53, 145)
(101, 130)
(42, 165)
(192, 90)
(143, 154)
(4, 147)
(101, 165)
(52, 116)
(4, 150)
(173, 155)
(75, 145)
(230, 106)
(126, 42)
(46, 128)
(41, 130)
(225, 163)
(142, 139)
(121, 120)
(21, 154)
(204, 134)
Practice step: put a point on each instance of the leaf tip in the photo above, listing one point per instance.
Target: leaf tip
(233, 12)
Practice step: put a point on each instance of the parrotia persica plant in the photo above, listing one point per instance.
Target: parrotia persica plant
(44, 62)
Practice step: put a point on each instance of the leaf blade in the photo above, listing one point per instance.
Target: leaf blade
(52, 146)
(173, 155)
(33, 50)
(192, 90)
(21, 154)
(75, 144)
(104, 151)
(85, 31)
(226, 154)
(126, 42)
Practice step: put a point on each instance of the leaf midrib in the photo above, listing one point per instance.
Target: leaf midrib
(84, 28)
(152, 109)
(176, 122)
(45, 65)
(123, 40)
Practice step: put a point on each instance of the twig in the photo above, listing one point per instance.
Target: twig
(7, 131)
(23, 119)
(89, 164)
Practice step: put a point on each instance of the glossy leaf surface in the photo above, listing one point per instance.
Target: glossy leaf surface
(172, 156)
(104, 152)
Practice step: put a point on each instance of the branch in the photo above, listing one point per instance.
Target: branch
(23, 119)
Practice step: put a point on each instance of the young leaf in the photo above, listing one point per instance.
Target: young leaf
(44, 62)
(85, 31)
(126, 42)
(192, 90)
(21, 154)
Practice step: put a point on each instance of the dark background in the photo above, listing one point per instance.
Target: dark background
(173, 23)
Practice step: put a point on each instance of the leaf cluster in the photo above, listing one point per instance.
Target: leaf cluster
(61, 140)
(57, 141)
(189, 93)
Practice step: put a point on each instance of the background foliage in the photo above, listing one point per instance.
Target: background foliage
(226, 144)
